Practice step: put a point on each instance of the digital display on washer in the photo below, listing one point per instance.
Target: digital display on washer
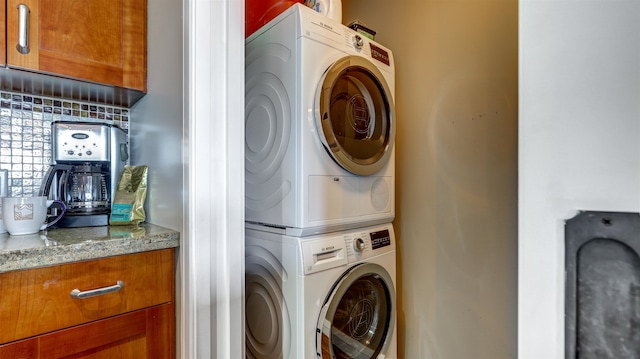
(380, 239)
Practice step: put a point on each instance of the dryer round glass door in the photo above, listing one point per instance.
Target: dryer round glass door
(357, 319)
(355, 115)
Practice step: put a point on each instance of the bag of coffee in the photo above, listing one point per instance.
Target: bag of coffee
(128, 201)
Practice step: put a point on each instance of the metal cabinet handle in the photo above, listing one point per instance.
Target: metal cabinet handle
(76, 293)
(23, 29)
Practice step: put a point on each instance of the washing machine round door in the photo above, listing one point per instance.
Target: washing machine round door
(357, 318)
(355, 115)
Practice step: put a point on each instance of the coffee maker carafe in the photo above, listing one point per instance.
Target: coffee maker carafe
(88, 159)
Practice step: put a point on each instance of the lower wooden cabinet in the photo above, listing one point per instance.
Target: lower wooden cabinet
(124, 328)
(146, 333)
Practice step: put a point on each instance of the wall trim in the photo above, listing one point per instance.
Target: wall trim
(213, 247)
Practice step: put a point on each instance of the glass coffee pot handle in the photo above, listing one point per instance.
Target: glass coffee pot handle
(124, 152)
(52, 173)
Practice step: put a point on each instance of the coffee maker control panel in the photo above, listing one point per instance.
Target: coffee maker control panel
(75, 142)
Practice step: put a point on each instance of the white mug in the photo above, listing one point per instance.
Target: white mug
(28, 215)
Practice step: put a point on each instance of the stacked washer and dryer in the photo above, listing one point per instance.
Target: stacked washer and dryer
(319, 168)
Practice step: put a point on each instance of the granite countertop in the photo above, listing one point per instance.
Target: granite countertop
(65, 245)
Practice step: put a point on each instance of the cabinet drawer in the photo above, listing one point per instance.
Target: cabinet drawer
(39, 300)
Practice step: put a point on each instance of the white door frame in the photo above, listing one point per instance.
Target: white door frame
(212, 261)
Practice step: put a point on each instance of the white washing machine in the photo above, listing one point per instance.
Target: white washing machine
(320, 126)
(328, 296)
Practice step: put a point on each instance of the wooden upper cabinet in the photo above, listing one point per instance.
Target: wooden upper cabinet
(102, 41)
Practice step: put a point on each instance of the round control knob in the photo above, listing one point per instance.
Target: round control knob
(358, 42)
(70, 152)
(358, 245)
(89, 153)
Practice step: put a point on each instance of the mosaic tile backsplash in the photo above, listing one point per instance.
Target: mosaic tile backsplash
(25, 134)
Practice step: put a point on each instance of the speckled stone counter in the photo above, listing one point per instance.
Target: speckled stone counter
(64, 245)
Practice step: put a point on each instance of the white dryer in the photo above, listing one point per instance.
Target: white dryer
(320, 126)
(329, 296)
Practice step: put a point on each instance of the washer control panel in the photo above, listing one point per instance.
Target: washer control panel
(323, 252)
(362, 245)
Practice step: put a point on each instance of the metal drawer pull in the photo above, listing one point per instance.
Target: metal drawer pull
(76, 293)
(23, 29)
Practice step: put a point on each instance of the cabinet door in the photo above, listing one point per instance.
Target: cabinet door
(3, 26)
(143, 334)
(23, 349)
(101, 41)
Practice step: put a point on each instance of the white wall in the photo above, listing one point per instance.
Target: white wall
(156, 133)
(456, 101)
(156, 125)
(579, 139)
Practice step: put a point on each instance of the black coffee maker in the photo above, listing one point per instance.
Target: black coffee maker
(88, 159)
